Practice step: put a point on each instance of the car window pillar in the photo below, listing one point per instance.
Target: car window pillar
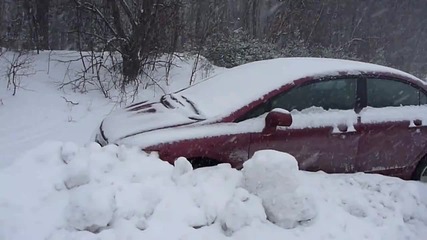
(361, 94)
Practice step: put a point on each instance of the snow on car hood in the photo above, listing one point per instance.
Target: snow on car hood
(142, 117)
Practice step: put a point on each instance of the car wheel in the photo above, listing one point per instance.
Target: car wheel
(421, 171)
(203, 162)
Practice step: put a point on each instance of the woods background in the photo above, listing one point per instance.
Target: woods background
(227, 32)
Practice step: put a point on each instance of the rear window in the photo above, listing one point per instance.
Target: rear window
(391, 93)
(423, 98)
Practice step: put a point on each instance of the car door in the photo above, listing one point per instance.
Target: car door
(322, 136)
(393, 133)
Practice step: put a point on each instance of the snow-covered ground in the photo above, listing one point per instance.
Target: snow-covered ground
(40, 110)
(56, 185)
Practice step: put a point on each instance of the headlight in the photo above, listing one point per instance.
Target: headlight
(152, 153)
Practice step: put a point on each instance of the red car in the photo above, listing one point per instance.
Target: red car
(337, 116)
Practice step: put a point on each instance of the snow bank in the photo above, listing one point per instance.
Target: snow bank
(63, 191)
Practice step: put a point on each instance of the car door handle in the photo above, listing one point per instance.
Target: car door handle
(416, 123)
(343, 128)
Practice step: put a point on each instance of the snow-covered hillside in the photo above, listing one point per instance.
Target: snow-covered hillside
(54, 184)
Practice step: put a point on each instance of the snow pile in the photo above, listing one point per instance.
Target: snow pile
(273, 176)
(63, 191)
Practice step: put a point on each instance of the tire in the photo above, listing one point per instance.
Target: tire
(203, 162)
(420, 173)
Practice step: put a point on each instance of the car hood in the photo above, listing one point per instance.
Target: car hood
(144, 117)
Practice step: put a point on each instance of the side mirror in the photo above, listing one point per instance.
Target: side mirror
(277, 117)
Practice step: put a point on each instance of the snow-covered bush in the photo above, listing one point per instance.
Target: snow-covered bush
(237, 49)
(274, 177)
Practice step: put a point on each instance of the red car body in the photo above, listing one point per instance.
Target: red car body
(358, 132)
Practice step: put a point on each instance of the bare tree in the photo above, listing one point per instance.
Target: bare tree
(137, 30)
(19, 64)
(97, 72)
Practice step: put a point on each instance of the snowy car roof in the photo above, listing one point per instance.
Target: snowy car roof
(236, 87)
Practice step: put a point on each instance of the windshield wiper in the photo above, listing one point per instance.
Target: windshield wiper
(192, 105)
(175, 99)
(166, 102)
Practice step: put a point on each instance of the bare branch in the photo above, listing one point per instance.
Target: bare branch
(70, 102)
(18, 66)
(129, 14)
(92, 8)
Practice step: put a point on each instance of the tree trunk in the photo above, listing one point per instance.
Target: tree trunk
(131, 67)
(43, 23)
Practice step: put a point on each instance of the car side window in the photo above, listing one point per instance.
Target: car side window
(329, 94)
(423, 98)
(256, 112)
(391, 93)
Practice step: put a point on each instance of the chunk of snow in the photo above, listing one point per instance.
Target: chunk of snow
(76, 171)
(281, 110)
(182, 166)
(274, 177)
(68, 152)
(243, 209)
(90, 208)
(136, 201)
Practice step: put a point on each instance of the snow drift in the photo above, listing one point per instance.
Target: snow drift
(63, 191)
